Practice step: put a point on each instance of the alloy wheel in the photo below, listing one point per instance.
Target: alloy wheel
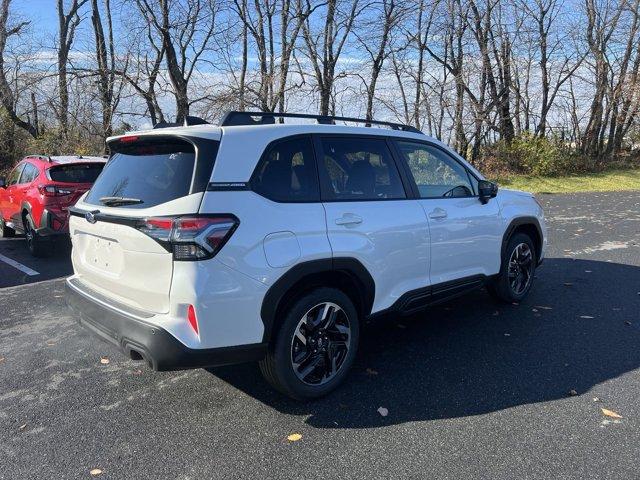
(520, 268)
(320, 343)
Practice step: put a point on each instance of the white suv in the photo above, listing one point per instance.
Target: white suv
(258, 240)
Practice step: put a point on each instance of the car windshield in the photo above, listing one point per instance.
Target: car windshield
(76, 173)
(150, 172)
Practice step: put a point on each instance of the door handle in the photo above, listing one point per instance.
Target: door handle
(349, 219)
(438, 213)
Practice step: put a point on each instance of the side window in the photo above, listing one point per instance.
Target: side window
(14, 176)
(360, 168)
(436, 173)
(29, 173)
(287, 172)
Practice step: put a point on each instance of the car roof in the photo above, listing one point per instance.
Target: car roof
(244, 144)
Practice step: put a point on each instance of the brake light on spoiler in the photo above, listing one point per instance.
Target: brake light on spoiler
(191, 237)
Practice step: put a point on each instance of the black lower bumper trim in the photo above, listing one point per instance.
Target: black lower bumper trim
(157, 346)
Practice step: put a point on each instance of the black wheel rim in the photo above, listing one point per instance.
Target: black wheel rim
(320, 343)
(520, 268)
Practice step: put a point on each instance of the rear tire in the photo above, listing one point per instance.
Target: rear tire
(315, 346)
(6, 232)
(38, 246)
(517, 272)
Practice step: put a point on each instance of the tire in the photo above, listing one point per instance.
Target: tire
(506, 287)
(6, 232)
(321, 317)
(38, 246)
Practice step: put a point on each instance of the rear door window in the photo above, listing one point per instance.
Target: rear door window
(29, 173)
(359, 168)
(145, 173)
(76, 173)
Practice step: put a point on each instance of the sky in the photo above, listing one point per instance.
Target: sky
(41, 12)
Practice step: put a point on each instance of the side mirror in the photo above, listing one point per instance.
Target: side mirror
(487, 190)
(3, 182)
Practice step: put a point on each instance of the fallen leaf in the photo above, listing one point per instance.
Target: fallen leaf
(586, 316)
(573, 393)
(515, 303)
(507, 334)
(568, 284)
(383, 411)
(587, 271)
(596, 399)
(22, 427)
(137, 371)
(627, 322)
(371, 371)
(294, 437)
(543, 308)
(610, 413)
(104, 360)
(1, 359)
(50, 342)
(534, 309)
(95, 472)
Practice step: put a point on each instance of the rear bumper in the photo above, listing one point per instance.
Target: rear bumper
(47, 229)
(157, 346)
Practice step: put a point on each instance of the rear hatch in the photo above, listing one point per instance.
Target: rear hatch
(146, 176)
(68, 184)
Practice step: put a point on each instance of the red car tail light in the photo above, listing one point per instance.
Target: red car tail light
(191, 237)
(53, 190)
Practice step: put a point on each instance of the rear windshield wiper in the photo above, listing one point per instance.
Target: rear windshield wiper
(113, 201)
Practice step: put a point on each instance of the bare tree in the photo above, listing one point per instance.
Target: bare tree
(185, 29)
(106, 65)
(68, 22)
(8, 96)
(325, 46)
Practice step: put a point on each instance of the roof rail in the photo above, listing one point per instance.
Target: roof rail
(269, 118)
(188, 121)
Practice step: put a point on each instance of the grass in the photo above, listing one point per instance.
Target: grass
(607, 181)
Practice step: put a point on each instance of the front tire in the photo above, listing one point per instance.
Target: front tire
(517, 272)
(315, 345)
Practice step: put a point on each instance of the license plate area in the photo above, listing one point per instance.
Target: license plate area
(101, 254)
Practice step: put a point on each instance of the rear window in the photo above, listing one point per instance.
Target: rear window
(77, 173)
(145, 173)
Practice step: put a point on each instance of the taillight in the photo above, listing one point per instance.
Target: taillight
(191, 237)
(53, 191)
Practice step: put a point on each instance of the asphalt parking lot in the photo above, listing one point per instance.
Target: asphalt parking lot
(473, 389)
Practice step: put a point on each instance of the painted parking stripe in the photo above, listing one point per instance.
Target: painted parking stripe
(19, 266)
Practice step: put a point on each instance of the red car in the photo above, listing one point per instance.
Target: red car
(35, 196)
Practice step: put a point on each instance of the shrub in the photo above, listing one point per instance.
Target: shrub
(531, 155)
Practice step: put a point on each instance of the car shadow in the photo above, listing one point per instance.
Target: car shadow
(578, 328)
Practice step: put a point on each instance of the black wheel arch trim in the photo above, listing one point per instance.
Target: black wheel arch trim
(25, 205)
(518, 222)
(277, 292)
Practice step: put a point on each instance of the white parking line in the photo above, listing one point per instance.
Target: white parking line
(19, 266)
